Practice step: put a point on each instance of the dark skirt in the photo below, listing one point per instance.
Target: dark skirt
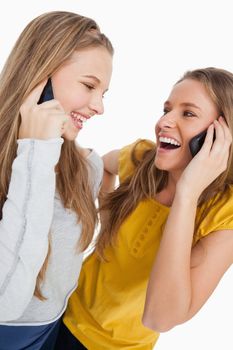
(29, 337)
(66, 340)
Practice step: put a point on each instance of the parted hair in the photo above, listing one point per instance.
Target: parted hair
(147, 180)
(45, 44)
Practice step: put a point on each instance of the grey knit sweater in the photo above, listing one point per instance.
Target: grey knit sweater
(31, 211)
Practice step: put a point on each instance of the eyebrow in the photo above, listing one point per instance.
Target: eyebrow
(92, 77)
(185, 104)
(189, 104)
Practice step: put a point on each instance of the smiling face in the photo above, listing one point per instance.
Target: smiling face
(80, 85)
(188, 111)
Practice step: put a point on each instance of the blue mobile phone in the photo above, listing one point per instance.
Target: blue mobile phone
(47, 93)
(197, 141)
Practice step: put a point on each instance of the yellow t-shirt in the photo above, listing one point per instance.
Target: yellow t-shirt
(105, 311)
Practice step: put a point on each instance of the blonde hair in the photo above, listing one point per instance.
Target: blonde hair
(43, 47)
(147, 180)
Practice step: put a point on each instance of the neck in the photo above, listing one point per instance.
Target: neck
(166, 196)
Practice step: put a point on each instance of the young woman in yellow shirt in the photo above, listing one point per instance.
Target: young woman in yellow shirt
(167, 230)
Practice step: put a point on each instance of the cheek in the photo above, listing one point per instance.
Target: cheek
(156, 129)
(70, 93)
(71, 97)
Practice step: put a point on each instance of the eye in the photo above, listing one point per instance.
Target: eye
(189, 114)
(104, 94)
(89, 86)
(165, 111)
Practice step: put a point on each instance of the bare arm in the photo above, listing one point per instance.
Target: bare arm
(110, 160)
(182, 279)
(176, 290)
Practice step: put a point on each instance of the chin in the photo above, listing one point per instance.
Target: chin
(164, 166)
(161, 165)
(70, 136)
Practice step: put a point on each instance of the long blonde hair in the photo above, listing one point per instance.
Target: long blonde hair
(147, 180)
(43, 47)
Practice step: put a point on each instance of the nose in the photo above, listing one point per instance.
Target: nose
(97, 105)
(167, 121)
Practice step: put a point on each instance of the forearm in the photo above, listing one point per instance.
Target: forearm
(169, 289)
(108, 185)
(109, 181)
(26, 219)
(110, 171)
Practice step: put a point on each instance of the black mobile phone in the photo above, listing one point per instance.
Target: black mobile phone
(197, 141)
(47, 93)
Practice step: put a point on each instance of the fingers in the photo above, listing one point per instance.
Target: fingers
(219, 153)
(223, 136)
(42, 121)
(226, 130)
(217, 150)
(206, 147)
(51, 104)
(63, 125)
(31, 101)
(35, 94)
(212, 160)
(226, 143)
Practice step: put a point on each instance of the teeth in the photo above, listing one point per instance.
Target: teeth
(83, 119)
(169, 140)
(78, 116)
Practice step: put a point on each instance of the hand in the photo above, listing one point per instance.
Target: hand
(43, 121)
(209, 162)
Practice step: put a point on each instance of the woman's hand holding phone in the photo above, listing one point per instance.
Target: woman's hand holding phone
(41, 121)
(197, 141)
(209, 162)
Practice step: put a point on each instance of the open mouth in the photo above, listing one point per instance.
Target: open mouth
(168, 143)
(78, 119)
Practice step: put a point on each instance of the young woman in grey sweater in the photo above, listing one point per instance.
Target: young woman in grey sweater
(48, 183)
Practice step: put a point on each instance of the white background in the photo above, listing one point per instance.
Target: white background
(155, 43)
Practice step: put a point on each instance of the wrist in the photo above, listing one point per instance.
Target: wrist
(186, 195)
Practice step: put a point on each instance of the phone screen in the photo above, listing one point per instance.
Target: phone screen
(47, 93)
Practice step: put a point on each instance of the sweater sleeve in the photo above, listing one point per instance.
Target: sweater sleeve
(26, 219)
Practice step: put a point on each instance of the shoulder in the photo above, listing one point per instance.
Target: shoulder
(216, 214)
(131, 154)
(84, 151)
(111, 161)
(221, 205)
(91, 156)
(139, 147)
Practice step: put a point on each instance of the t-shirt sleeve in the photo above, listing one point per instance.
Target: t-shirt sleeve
(219, 215)
(126, 164)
